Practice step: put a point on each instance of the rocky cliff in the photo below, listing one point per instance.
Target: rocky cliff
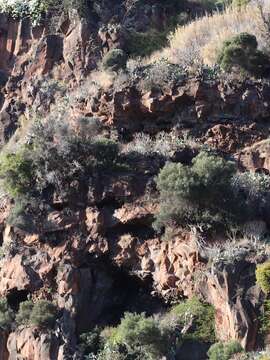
(94, 252)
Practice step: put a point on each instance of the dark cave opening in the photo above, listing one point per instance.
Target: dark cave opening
(114, 291)
(15, 297)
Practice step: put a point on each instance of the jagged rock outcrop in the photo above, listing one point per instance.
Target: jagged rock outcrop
(30, 343)
(232, 289)
(230, 138)
(256, 157)
(194, 101)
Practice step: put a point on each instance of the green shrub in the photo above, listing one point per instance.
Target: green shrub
(57, 156)
(24, 313)
(263, 276)
(252, 190)
(43, 314)
(90, 342)
(19, 216)
(197, 193)
(17, 171)
(139, 337)
(203, 319)
(144, 44)
(35, 9)
(105, 152)
(6, 314)
(115, 60)
(224, 351)
(21, 9)
(265, 318)
(240, 3)
(241, 52)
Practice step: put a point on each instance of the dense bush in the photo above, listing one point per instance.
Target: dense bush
(17, 171)
(90, 342)
(202, 317)
(263, 276)
(24, 313)
(144, 44)
(6, 314)
(56, 157)
(241, 52)
(42, 314)
(140, 336)
(224, 351)
(115, 60)
(18, 216)
(211, 193)
(22, 8)
(35, 9)
(265, 318)
(197, 193)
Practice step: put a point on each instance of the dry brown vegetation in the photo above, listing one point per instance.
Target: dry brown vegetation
(200, 41)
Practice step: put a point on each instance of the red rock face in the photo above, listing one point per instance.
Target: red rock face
(256, 157)
(52, 261)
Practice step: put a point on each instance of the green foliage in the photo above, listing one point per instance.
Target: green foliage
(18, 216)
(241, 52)
(90, 342)
(57, 156)
(265, 318)
(35, 9)
(137, 337)
(197, 193)
(202, 316)
(105, 152)
(115, 60)
(22, 9)
(6, 314)
(140, 335)
(224, 351)
(17, 171)
(24, 313)
(43, 314)
(240, 3)
(144, 44)
(263, 276)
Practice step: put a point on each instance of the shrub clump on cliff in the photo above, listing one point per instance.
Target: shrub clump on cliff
(150, 338)
(200, 193)
(263, 276)
(55, 155)
(6, 314)
(42, 314)
(24, 8)
(241, 52)
(35, 9)
(210, 193)
(224, 351)
(115, 60)
(200, 315)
